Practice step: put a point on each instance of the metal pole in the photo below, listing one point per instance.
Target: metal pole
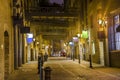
(79, 51)
(41, 71)
(38, 64)
(90, 57)
(79, 58)
(73, 54)
(90, 47)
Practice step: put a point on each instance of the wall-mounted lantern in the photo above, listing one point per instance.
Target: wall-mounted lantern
(101, 30)
(102, 22)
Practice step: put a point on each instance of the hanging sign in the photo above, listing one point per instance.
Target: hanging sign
(84, 34)
(75, 39)
(29, 37)
(25, 30)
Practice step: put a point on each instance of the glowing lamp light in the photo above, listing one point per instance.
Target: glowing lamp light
(75, 39)
(99, 21)
(71, 43)
(102, 22)
(106, 22)
(64, 44)
(37, 43)
(78, 35)
(33, 39)
(47, 47)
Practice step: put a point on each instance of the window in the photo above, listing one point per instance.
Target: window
(117, 34)
(114, 36)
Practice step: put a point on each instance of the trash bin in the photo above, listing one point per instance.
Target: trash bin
(47, 73)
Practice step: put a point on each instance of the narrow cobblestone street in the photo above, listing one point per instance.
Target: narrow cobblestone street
(65, 69)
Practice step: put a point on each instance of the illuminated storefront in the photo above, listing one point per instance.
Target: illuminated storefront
(114, 41)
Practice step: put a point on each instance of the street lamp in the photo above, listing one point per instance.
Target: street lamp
(102, 24)
(71, 45)
(76, 42)
(85, 36)
(75, 39)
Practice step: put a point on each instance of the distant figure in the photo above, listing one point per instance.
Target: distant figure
(40, 60)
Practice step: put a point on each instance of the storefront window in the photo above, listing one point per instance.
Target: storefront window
(114, 36)
(117, 34)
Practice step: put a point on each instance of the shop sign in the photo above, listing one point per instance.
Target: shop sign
(84, 34)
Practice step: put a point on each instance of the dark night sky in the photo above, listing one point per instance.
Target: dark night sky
(57, 1)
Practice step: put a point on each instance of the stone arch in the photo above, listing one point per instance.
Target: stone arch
(6, 54)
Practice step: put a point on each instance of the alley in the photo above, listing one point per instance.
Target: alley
(66, 69)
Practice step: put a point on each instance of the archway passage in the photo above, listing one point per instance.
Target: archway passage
(6, 55)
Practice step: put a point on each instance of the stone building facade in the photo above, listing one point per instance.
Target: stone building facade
(100, 17)
(6, 41)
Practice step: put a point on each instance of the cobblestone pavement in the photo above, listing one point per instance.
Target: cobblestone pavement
(70, 70)
(26, 72)
(65, 69)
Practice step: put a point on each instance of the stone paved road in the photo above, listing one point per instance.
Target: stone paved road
(68, 70)
(63, 69)
(26, 72)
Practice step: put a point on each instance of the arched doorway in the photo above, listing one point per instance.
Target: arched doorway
(6, 55)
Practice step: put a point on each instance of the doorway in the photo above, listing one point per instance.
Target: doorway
(6, 54)
(101, 47)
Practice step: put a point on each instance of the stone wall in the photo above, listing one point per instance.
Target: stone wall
(6, 25)
(101, 9)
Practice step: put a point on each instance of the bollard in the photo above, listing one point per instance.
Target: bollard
(39, 58)
(41, 73)
(90, 57)
(47, 73)
(40, 67)
(40, 63)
